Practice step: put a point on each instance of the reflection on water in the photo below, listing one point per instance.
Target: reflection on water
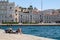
(42, 31)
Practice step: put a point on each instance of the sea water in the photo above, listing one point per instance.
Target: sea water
(41, 31)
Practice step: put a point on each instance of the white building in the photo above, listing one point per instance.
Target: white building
(7, 11)
(36, 16)
(30, 15)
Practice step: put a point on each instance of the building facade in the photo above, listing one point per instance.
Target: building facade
(7, 11)
(52, 17)
(28, 15)
(10, 13)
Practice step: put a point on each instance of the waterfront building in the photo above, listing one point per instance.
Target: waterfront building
(52, 17)
(11, 13)
(7, 11)
(28, 15)
(16, 16)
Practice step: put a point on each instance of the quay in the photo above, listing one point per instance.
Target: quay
(42, 24)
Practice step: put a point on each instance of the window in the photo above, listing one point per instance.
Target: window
(12, 20)
(5, 16)
(21, 16)
(40, 15)
(15, 10)
(21, 21)
(2, 21)
(10, 7)
(10, 16)
(30, 16)
(16, 14)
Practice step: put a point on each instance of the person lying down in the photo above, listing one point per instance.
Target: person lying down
(14, 32)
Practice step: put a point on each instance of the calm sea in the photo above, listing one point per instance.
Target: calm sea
(42, 31)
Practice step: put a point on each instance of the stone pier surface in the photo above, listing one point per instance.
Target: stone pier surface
(7, 36)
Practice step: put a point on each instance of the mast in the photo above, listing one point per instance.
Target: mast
(42, 10)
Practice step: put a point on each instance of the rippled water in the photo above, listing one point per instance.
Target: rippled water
(42, 31)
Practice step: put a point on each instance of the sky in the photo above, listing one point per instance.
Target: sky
(47, 4)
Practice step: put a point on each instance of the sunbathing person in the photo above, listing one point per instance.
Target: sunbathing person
(19, 31)
(13, 32)
(9, 30)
